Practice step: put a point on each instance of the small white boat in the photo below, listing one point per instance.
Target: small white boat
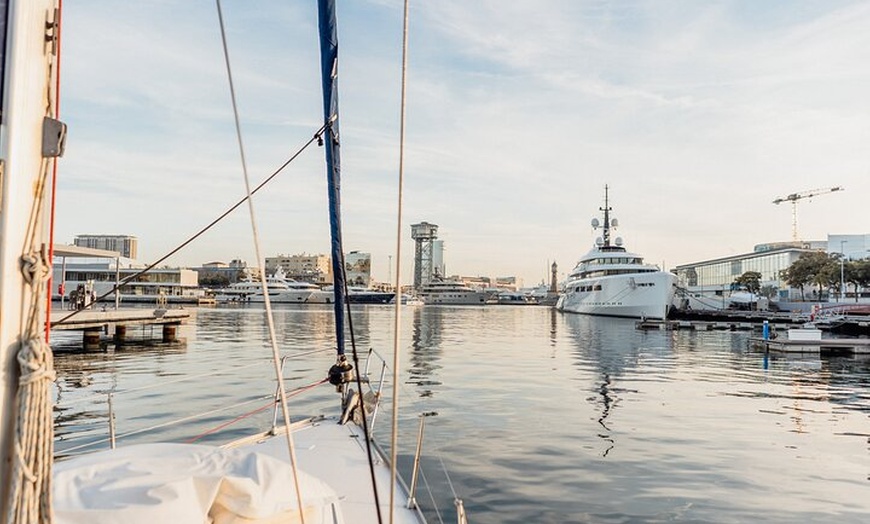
(412, 300)
(610, 281)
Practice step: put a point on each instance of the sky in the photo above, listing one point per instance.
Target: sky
(697, 115)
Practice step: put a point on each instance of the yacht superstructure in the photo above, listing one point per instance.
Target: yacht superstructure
(611, 281)
(452, 293)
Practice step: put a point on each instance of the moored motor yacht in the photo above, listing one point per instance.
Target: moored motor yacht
(280, 289)
(611, 281)
(451, 292)
(364, 295)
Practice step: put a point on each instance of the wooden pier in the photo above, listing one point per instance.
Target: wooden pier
(697, 325)
(93, 322)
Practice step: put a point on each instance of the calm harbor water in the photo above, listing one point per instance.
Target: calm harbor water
(541, 416)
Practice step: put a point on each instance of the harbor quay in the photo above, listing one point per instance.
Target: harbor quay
(853, 321)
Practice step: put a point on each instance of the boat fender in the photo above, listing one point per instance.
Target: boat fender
(341, 372)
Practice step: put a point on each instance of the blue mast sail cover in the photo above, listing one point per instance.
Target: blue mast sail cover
(329, 76)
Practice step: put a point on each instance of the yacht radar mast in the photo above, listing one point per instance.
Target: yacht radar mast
(608, 222)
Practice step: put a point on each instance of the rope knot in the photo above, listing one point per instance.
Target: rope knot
(34, 267)
(36, 362)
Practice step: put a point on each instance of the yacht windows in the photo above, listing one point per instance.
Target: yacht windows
(615, 260)
(608, 272)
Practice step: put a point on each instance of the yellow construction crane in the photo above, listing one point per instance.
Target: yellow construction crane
(794, 197)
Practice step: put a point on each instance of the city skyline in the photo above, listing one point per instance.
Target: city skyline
(697, 116)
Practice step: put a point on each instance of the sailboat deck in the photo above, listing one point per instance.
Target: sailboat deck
(336, 454)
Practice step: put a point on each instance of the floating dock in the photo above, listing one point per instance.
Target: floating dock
(696, 325)
(857, 346)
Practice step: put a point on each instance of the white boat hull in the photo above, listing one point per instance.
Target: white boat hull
(642, 295)
(283, 297)
(320, 297)
(454, 299)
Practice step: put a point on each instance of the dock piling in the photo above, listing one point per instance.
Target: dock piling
(120, 333)
(169, 332)
(91, 338)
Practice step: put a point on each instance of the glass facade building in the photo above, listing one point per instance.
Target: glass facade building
(715, 277)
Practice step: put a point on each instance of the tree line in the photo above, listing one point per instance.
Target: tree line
(819, 271)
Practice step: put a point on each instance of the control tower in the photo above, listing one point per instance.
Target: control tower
(423, 234)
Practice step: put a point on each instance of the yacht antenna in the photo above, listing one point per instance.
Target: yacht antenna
(606, 209)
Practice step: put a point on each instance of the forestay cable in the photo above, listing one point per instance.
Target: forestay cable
(276, 357)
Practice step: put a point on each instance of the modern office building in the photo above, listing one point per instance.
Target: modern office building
(76, 267)
(126, 245)
(712, 280)
(853, 247)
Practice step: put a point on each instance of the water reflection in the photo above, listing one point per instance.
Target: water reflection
(223, 359)
(427, 330)
(608, 348)
(544, 417)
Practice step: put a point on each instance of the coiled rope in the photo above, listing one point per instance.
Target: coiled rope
(30, 494)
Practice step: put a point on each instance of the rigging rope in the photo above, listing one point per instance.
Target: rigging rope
(394, 436)
(56, 115)
(276, 357)
(253, 412)
(117, 287)
(362, 408)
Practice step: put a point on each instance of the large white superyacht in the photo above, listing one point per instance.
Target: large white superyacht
(280, 289)
(610, 281)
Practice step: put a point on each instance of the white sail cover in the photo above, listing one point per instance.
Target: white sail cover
(153, 483)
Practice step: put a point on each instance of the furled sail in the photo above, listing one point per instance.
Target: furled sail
(329, 74)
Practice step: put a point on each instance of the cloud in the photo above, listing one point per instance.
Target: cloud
(697, 115)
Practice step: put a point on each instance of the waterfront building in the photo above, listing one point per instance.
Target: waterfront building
(710, 281)
(853, 247)
(359, 269)
(101, 274)
(220, 274)
(126, 245)
(316, 269)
